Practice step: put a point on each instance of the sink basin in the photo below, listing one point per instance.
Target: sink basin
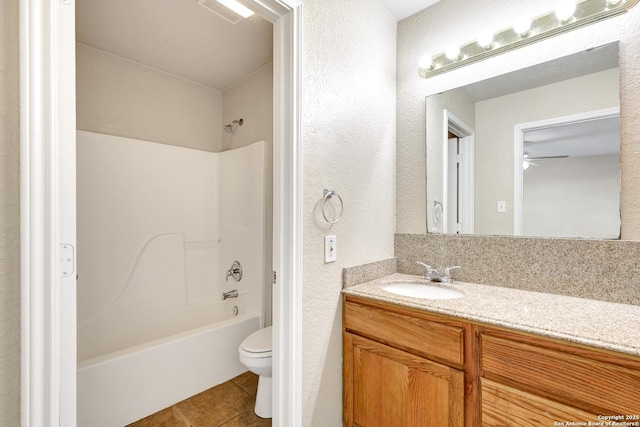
(421, 290)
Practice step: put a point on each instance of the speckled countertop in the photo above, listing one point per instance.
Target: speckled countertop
(601, 324)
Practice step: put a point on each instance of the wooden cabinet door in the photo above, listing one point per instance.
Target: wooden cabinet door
(387, 387)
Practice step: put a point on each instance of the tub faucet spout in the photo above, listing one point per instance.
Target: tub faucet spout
(230, 294)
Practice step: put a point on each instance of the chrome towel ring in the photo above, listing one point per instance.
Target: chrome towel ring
(328, 194)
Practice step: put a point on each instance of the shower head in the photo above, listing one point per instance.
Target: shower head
(229, 128)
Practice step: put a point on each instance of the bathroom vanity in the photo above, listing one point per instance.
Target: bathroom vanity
(497, 357)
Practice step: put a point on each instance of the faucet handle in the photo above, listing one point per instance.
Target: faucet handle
(427, 274)
(431, 273)
(235, 271)
(447, 274)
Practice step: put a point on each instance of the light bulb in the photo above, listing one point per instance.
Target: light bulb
(522, 25)
(485, 39)
(453, 52)
(426, 62)
(565, 10)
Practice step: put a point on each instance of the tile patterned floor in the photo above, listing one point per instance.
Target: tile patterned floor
(227, 405)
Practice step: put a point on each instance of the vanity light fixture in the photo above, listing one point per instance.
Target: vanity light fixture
(522, 26)
(565, 10)
(569, 15)
(453, 53)
(426, 62)
(485, 40)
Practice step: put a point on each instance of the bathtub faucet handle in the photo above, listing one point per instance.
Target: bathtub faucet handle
(235, 271)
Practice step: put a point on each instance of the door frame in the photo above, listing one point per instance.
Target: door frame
(47, 217)
(518, 154)
(466, 136)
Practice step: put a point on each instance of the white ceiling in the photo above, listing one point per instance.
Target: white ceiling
(177, 36)
(404, 8)
(182, 38)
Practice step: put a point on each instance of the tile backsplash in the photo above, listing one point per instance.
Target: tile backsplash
(602, 270)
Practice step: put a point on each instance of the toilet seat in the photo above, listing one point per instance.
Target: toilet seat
(258, 344)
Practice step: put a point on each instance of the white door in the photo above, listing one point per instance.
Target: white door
(458, 175)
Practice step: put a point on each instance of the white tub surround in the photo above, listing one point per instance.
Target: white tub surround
(158, 228)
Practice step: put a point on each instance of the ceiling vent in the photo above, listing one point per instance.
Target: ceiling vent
(230, 10)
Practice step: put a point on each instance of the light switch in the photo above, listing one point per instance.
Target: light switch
(330, 249)
(502, 206)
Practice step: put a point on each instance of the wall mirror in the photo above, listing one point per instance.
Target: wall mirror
(535, 152)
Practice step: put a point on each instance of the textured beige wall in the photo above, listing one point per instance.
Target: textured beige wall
(630, 107)
(459, 21)
(123, 98)
(252, 100)
(349, 146)
(495, 121)
(9, 216)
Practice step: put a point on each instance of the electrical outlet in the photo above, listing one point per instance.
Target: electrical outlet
(502, 206)
(330, 249)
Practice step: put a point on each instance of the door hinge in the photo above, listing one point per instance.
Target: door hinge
(274, 277)
(458, 158)
(67, 260)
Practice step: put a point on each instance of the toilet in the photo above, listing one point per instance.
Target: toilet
(255, 354)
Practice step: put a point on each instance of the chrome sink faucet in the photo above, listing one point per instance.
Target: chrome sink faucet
(434, 276)
(431, 274)
(447, 274)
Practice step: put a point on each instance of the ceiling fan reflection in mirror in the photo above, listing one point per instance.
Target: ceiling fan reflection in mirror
(528, 161)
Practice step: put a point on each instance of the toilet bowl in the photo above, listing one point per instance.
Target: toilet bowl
(255, 354)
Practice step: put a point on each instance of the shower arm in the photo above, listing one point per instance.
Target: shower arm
(229, 127)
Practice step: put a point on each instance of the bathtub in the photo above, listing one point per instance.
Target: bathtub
(122, 387)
